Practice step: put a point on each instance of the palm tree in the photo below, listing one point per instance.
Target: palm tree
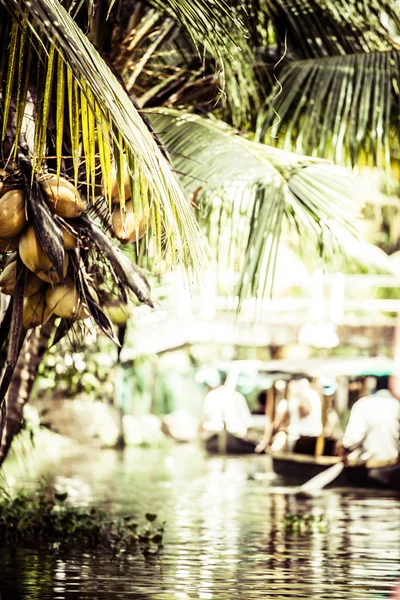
(72, 105)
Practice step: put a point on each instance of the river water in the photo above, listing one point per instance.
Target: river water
(224, 535)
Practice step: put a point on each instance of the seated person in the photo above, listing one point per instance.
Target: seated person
(300, 415)
(267, 425)
(225, 408)
(373, 430)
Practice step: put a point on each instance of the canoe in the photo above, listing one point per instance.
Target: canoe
(227, 443)
(296, 469)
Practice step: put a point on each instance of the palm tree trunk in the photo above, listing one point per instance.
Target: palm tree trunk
(22, 382)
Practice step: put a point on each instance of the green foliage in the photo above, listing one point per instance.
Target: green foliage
(249, 194)
(304, 523)
(86, 368)
(336, 92)
(44, 517)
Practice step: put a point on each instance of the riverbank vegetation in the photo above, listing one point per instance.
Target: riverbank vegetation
(45, 518)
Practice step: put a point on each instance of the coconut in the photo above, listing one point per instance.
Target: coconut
(12, 213)
(35, 310)
(126, 228)
(8, 281)
(117, 313)
(114, 185)
(62, 197)
(53, 180)
(70, 242)
(6, 187)
(34, 257)
(31, 252)
(64, 301)
(8, 244)
(50, 275)
(7, 182)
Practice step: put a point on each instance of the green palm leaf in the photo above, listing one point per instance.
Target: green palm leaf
(317, 28)
(345, 108)
(259, 191)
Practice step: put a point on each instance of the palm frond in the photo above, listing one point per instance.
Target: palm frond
(317, 28)
(258, 191)
(183, 53)
(345, 108)
(97, 105)
(208, 24)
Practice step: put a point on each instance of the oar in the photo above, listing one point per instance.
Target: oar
(318, 482)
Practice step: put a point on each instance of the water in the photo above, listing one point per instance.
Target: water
(224, 535)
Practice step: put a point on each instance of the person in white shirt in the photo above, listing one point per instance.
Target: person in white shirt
(300, 413)
(374, 426)
(224, 408)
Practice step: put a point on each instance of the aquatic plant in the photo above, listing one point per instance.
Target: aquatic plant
(44, 517)
(304, 523)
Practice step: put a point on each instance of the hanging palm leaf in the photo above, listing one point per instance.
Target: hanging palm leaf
(344, 108)
(255, 192)
(336, 92)
(317, 28)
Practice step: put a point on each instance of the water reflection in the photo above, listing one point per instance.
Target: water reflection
(224, 535)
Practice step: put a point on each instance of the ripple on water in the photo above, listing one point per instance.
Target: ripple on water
(224, 536)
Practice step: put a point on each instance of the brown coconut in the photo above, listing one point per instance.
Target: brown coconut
(31, 252)
(62, 196)
(34, 257)
(126, 228)
(50, 275)
(70, 242)
(8, 281)
(12, 213)
(114, 185)
(35, 310)
(64, 301)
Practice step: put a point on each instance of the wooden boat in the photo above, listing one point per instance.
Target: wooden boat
(225, 442)
(296, 469)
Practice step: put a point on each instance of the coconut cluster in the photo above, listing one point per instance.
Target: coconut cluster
(44, 294)
(127, 226)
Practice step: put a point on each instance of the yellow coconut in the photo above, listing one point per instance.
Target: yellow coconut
(70, 242)
(53, 180)
(64, 301)
(35, 258)
(12, 213)
(63, 197)
(31, 252)
(50, 275)
(8, 281)
(117, 313)
(35, 310)
(127, 229)
(8, 244)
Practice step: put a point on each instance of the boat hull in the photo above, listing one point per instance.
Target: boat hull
(296, 469)
(227, 443)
